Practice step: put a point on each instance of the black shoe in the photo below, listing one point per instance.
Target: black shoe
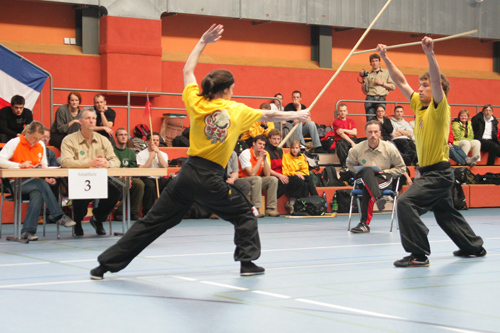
(381, 204)
(411, 261)
(361, 228)
(320, 150)
(99, 229)
(249, 268)
(464, 254)
(98, 273)
(78, 229)
(134, 217)
(118, 217)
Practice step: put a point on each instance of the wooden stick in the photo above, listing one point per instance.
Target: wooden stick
(420, 43)
(329, 215)
(338, 70)
(151, 138)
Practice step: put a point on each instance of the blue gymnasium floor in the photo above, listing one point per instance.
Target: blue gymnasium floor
(319, 278)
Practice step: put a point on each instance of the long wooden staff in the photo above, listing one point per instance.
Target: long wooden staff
(148, 109)
(338, 70)
(419, 42)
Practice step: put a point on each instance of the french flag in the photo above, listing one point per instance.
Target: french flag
(19, 77)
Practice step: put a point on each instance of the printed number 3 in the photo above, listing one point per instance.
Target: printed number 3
(87, 185)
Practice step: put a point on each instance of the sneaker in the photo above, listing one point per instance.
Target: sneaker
(302, 147)
(289, 207)
(29, 236)
(118, 217)
(464, 254)
(134, 217)
(66, 221)
(272, 212)
(99, 229)
(361, 228)
(98, 273)
(381, 204)
(249, 268)
(471, 161)
(411, 261)
(260, 216)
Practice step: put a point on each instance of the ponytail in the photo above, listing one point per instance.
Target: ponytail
(216, 81)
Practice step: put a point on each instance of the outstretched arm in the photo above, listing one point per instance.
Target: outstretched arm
(396, 75)
(437, 91)
(212, 35)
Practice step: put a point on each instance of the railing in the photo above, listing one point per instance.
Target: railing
(396, 103)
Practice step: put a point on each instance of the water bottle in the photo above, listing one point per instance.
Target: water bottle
(324, 198)
(335, 204)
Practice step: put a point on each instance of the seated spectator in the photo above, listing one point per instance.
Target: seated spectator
(345, 134)
(464, 135)
(152, 158)
(88, 149)
(258, 128)
(387, 128)
(14, 118)
(67, 119)
(485, 127)
(402, 137)
(292, 186)
(374, 152)
(27, 151)
(255, 167)
(307, 128)
(128, 160)
(457, 154)
(296, 168)
(105, 117)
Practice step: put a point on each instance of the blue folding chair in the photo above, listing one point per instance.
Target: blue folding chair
(356, 193)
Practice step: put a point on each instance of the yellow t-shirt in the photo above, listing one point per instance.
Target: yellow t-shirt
(215, 124)
(293, 165)
(256, 129)
(432, 128)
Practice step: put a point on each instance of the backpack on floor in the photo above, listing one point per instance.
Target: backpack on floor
(310, 206)
(344, 200)
(317, 179)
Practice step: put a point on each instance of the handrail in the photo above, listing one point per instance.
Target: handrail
(396, 103)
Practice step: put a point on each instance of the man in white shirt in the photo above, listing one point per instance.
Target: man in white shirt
(152, 158)
(485, 129)
(402, 137)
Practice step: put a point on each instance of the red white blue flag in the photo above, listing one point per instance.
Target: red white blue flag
(19, 77)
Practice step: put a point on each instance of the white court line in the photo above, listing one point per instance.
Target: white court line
(370, 313)
(270, 294)
(183, 278)
(26, 264)
(224, 285)
(80, 260)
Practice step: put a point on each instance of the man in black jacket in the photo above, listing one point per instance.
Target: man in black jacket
(484, 125)
(14, 118)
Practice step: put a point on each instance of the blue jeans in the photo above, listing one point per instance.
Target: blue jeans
(371, 108)
(38, 191)
(310, 129)
(458, 155)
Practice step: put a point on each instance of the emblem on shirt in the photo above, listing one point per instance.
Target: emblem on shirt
(216, 125)
(125, 162)
(82, 153)
(363, 161)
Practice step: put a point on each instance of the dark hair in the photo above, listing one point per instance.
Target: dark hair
(120, 129)
(374, 122)
(77, 94)
(274, 132)
(148, 137)
(260, 137)
(99, 95)
(217, 80)
(380, 106)
(445, 84)
(374, 56)
(297, 92)
(265, 106)
(487, 106)
(17, 100)
(398, 107)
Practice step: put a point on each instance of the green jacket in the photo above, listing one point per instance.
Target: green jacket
(459, 131)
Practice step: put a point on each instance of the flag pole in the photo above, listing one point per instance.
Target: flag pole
(148, 107)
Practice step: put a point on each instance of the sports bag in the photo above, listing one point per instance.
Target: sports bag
(310, 206)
